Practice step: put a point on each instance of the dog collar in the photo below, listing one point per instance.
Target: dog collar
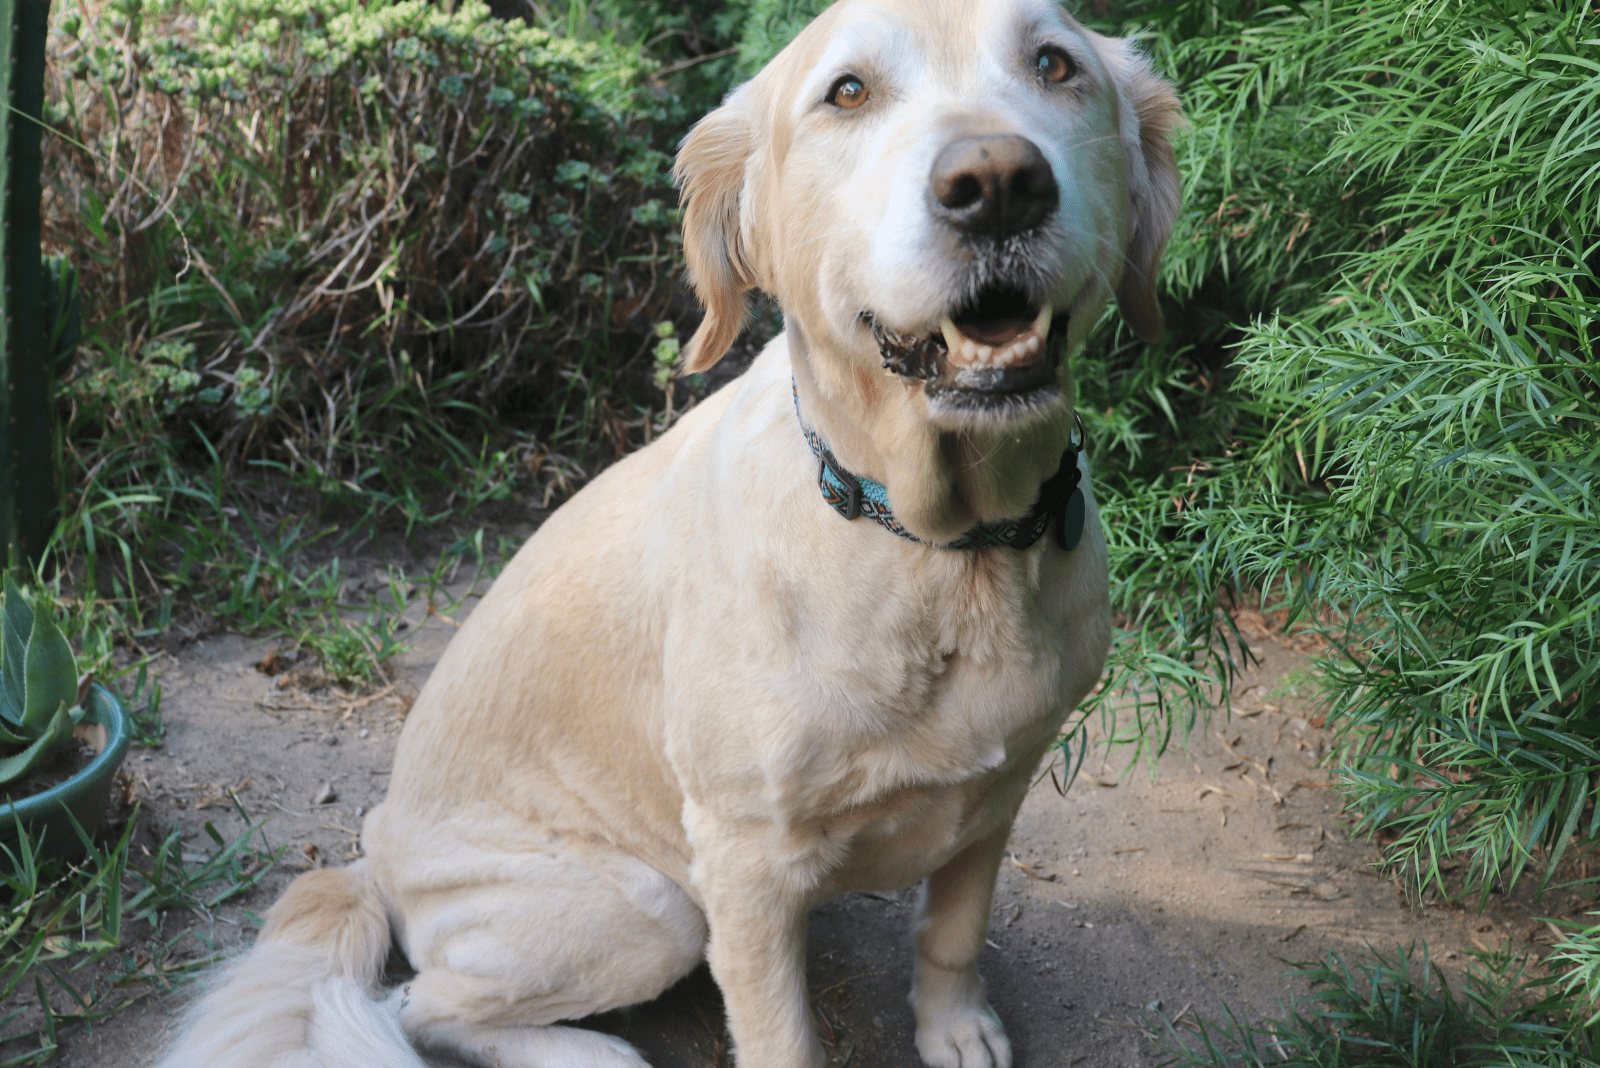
(1060, 498)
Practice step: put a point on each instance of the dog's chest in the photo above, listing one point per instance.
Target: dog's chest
(895, 714)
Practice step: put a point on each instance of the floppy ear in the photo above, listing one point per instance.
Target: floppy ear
(710, 171)
(1150, 113)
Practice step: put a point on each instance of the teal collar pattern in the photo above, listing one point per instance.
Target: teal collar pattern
(1060, 499)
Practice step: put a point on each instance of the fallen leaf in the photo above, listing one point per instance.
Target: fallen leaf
(1294, 888)
(1029, 872)
(1277, 798)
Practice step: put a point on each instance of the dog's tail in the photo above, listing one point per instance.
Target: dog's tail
(301, 998)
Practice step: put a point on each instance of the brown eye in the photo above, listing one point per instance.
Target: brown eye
(1055, 65)
(848, 93)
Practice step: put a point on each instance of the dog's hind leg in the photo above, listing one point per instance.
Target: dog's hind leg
(531, 1047)
(560, 935)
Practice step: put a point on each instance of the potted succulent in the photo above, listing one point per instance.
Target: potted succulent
(44, 707)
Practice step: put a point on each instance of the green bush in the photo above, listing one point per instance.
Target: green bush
(1393, 227)
(324, 233)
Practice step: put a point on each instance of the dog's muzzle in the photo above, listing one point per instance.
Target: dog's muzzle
(998, 348)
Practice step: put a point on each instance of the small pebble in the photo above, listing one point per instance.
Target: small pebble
(330, 739)
(326, 795)
(363, 732)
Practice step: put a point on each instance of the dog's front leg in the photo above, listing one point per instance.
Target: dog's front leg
(956, 1028)
(756, 909)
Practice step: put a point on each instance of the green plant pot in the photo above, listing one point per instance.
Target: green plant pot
(84, 795)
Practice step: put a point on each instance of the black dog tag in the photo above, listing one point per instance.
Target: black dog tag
(1069, 524)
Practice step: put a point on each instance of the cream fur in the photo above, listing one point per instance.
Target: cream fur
(698, 702)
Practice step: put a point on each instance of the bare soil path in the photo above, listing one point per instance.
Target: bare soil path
(1126, 899)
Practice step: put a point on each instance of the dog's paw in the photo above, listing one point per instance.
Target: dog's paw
(967, 1037)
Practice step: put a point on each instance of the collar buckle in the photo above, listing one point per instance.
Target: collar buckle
(850, 507)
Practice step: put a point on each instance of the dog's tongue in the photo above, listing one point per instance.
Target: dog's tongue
(997, 344)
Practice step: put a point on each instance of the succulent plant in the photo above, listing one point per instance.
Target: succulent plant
(39, 687)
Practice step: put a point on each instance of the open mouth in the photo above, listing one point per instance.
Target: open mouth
(999, 330)
(993, 352)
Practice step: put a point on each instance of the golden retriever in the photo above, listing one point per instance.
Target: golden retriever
(726, 682)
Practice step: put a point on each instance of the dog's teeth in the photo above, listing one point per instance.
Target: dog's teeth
(965, 350)
(952, 337)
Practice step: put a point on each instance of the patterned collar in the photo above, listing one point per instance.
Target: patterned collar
(1060, 498)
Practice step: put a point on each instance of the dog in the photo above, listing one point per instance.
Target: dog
(816, 638)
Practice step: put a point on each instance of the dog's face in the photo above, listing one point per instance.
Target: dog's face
(948, 189)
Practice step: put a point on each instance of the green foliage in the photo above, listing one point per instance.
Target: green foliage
(1421, 453)
(379, 263)
(768, 25)
(68, 938)
(409, 221)
(1400, 1013)
(1390, 230)
(1579, 954)
(38, 685)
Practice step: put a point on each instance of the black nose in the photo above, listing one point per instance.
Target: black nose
(996, 185)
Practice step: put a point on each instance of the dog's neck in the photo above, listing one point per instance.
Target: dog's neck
(940, 482)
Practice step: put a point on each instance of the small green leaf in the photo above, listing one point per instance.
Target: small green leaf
(16, 626)
(60, 729)
(52, 675)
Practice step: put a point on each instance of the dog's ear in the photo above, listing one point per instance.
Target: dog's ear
(710, 172)
(1150, 113)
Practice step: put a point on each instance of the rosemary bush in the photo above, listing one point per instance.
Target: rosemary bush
(1397, 206)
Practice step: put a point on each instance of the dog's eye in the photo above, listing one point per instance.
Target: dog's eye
(1055, 65)
(848, 92)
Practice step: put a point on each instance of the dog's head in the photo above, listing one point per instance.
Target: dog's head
(950, 190)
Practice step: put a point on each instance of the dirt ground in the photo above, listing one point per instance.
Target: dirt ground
(1125, 900)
